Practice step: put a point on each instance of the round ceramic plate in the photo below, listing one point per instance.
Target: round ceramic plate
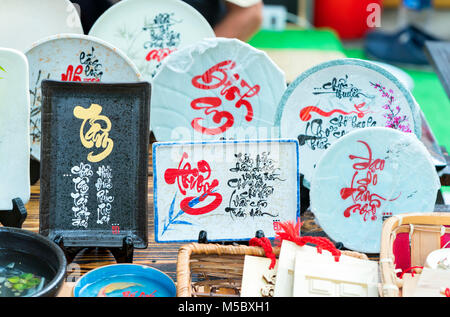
(72, 57)
(24, 22)
(148, 31)
(330, 100)
(368, 175)
(216, 88)
(125, 280)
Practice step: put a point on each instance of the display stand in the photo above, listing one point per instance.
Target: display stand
(203, 238)
(122, 254)
(14, 217)
(35, 172)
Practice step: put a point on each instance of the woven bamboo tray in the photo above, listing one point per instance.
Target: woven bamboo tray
(213, 270)
(425, 231)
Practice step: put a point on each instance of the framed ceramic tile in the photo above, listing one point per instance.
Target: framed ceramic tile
(14, 128)
(336, 97)
(25, 22)
(367, 176)
(71, 57)
(216, 88)
(94, 163)
(149, 31)
(230, 189)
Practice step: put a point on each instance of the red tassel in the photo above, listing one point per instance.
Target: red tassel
(291, 232)
(267, 246)
(410, 269)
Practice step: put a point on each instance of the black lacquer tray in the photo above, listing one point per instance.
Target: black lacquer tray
(94, 159)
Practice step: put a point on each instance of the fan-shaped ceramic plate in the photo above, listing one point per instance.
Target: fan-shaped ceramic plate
(330, 100)
(217, 88)
(148, 31)
(14, 123)
(368, 175)
(24, 22)
(71, 57)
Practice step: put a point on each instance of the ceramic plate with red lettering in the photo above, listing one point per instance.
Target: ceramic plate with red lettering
(230, 189)
(216, 88)
(336, 97)
(368, 175)
(148, 31)
(72, 57)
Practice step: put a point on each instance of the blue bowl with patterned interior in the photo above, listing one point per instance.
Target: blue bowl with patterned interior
(125, 280)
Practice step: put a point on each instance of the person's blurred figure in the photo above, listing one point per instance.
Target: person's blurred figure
(229, 18)
(242, 19)
(415, 12)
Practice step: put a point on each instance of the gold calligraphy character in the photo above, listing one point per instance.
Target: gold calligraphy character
(96, 135)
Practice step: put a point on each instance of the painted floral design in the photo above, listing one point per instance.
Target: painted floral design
(2, 70)
(393, 117)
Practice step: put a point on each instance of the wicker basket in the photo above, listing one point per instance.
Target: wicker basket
(210, 270)
(425, 231)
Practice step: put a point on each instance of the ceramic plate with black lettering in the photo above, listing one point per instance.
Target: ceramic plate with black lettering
(330, 100)
(72, 57)
(94, 163)
(216, 88)
(367, 176)
(230, 189)
(149, 31)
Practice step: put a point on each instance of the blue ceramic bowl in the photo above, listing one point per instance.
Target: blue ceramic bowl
(125, 280)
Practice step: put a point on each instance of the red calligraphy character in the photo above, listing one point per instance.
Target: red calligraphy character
(208, 104)
(70, 75)
(194, 179)
(214, 77)
(365, 202)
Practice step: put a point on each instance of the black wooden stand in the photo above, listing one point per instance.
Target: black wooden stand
(122, 254)
(14, 217)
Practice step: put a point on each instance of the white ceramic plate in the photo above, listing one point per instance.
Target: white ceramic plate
(72, 57)
(14, 125)
(24, 22)
(148, 31)
(216, 88)
(367, 176)
(336, 97)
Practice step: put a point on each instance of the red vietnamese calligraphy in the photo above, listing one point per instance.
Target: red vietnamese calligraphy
(305, 113)
(188, 178)
(365, 175)
(218, 76)
(70, 75)
(135, 294)
(159, 54)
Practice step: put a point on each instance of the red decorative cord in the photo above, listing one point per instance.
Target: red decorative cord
(410, 269)
(447, 292)
(291, 233)
(267, 246)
